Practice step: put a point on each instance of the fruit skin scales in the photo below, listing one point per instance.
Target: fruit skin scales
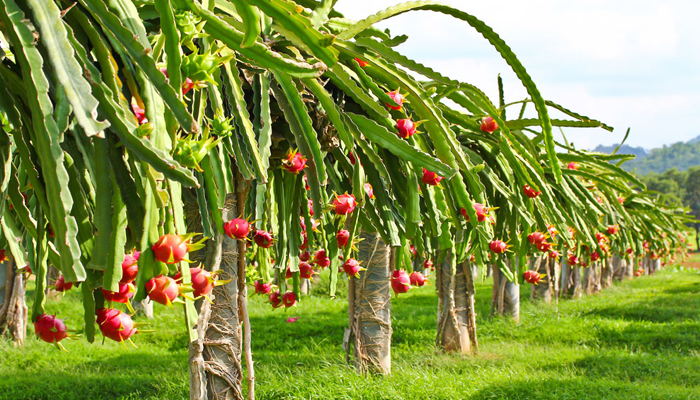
(352, 268)
(115, 324)
(532, 276)
(344, 204)
(203, 281)
(237, 228)
(498, 246)
(162, 289)
(170, 249)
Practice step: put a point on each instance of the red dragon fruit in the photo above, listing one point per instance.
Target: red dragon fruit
(289, 299)
(306, 270)
(263, 288)
(130, 267)
(237, 228)
(427, 264)
(344, 204)
(417, 279)
(342, 237)
(352, 267)
(530, 192)
(573, 260)
(50, 329)
(398, 99)
(613, 229)
(600, 237)
(171, 249)
(400, 281)
(294, 163)
(203, 281)
(481, 212)
(275, 299)
(139, 113)
(498, 246)
(115, 324)
(532, 276)
(431, 178)
(352, 158)
(61, 285)
(126, 291)
(369, 191)
(187, 85)
(543, 246)
(305, 243)
(263, 238)
(406, 128)
(162, 289)
(321, 259)
(536, 237)
(488, 125)
(362, 62)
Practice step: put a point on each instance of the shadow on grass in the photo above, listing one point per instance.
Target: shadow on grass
(580, 388)
(679, 338)
(679, 303)
(132, 376)
(652, 369)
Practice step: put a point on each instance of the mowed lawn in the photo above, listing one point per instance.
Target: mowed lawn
(638, 340)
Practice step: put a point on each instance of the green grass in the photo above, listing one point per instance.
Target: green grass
(638, 340)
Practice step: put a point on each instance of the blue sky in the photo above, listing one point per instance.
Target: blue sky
(628, 63)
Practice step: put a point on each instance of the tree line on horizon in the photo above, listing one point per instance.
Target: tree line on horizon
(681, 156)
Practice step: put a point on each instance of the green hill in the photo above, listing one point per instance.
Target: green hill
(681, 155)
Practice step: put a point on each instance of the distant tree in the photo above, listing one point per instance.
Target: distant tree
(692, 198)
(666, 185)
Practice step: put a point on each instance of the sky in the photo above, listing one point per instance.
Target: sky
(628, 63)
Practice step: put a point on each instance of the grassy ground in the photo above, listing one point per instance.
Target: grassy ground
(638, 340)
